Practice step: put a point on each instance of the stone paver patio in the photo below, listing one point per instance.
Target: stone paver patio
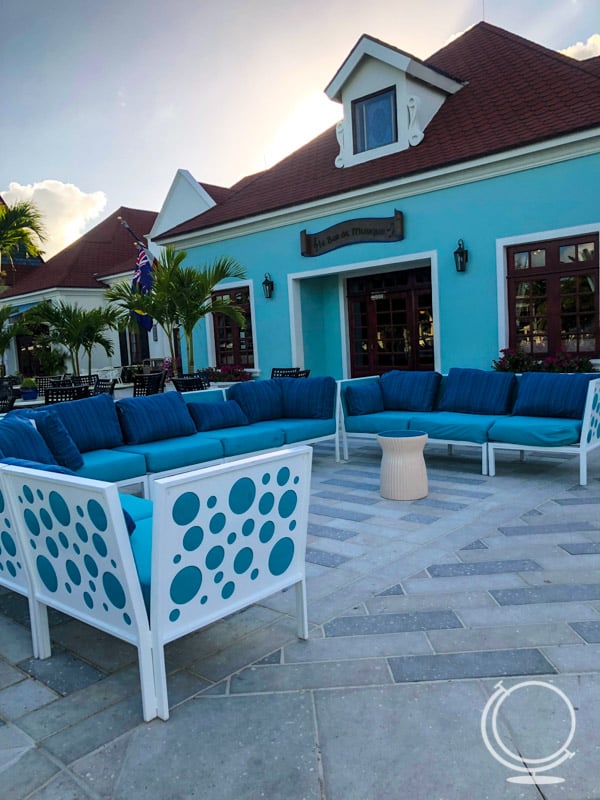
(417, 609)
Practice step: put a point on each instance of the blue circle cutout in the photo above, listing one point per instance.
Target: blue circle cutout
(9, 543)
(114, 590)
(81, 532)
(100, 545)
(192, 538)
(231, 538)
(59, 508)
(212, 501)
(266, 503)
(287, 503)
(281, 556)
(91, 566)
(97, 515)
(185, 585)
(242, 495)
(63, 540)
(243, 560)
(28, 494)
(266, 532)
(227, 590)
(73, 572)
(186, 508)
(31, 521)
(217, 523)
(266, 478)
(214, 557)
(47, 573)
(52, 547)
(283, 476)
(46, 519)
(248, 527)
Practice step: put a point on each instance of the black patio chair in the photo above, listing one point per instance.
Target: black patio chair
(85, 380)
(190, 383)
(105, 386)
(303, 373)
(46, 381)
(7, 402)
(285, 372)
(149, 383)
(58, 394)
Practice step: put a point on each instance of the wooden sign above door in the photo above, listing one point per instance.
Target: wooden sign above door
(353, 231)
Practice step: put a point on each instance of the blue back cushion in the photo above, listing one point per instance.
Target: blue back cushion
(25, 462)
(212, 416)
(19, 439)
(150, 419)
(551, 394)
(478, 391)
(363, 398)
(92, 422)
(409, 391)
(259, 400)
(58, 439)
(308, 398)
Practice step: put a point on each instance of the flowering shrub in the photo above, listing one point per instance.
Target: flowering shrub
(227, 373)
(516, 361)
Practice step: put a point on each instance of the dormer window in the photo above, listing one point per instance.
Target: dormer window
(389, 98)
(374, 120)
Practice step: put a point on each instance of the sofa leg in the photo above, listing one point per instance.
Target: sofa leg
(583, 469)
(491, 462)
(301, 612)
(484, 459)
(40, 632)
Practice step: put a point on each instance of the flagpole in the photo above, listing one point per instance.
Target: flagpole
(125, 224)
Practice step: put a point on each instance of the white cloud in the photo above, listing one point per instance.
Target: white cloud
(582, 50)
(65, 209)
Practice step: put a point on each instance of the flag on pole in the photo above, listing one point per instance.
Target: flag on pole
(142, 283)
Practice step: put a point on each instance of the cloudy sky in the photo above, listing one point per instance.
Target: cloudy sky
(103, 100)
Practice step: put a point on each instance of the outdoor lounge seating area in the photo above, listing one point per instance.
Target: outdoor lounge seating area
(488, 410)
(136, 440)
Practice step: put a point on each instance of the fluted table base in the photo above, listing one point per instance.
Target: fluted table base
(403, 471)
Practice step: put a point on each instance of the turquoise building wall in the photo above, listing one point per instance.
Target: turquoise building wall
(533, 201)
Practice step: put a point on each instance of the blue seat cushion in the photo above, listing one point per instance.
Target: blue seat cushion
(153, 418)
(453, 425)
(551, 394)
(20, 439)
(308, 398)
(536, 431)
(410, 391)
(141, 546)
(112, 465)
(375, 423)
(137, 507)
(363, 397)
(259, 400)
(260, 436)
(477, 391)
(297, 430)
(184, 451)
(58, 439)
(91, 422)
(211, 416)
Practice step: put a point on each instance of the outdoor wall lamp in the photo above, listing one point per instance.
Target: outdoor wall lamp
(461, 256)
(268, 286)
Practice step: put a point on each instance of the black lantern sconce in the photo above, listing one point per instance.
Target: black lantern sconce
(268, 286)
(461, 256)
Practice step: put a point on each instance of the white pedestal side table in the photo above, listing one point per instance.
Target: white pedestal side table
(403, 471)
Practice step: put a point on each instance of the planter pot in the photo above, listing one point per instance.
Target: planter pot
(29, 394)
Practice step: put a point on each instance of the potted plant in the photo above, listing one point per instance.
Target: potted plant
(29, 389)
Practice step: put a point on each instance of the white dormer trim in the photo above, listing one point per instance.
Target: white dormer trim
(373, 66)
(185, 199)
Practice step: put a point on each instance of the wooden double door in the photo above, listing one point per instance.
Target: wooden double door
(390, 322)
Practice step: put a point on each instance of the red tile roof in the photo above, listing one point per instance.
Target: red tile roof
(517, 93)
(108, 249)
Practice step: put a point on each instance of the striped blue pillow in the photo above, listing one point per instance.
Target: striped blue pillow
(478, 391)
(92, 422)
(308, 398)
(212, 416)
(150, 419)
(409, 391)
(259, 400)
(551, 394)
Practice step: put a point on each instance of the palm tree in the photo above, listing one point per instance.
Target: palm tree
(21, 228)
(192, 291)
(75, 328)
(8, 331)
(180, 295)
